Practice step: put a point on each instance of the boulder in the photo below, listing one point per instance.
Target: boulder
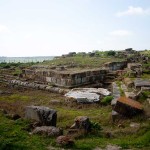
(82, 122)
(48, 131)
(128, 107)
(41, 114)
(65, 141)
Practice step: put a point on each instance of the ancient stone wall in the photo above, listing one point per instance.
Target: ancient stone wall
(66, 78)
(113, 66)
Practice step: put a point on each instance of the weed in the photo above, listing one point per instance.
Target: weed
(106, 100)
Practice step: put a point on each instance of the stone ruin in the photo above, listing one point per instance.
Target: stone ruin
(113, 66)
(135, 69)
(45, 119)
(71, 77)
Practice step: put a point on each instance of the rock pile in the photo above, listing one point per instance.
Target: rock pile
(33, 85)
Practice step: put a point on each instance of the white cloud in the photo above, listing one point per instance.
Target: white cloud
(121, 33)
(3, 29)
(134, 11)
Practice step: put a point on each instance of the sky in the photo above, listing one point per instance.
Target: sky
(56, 27)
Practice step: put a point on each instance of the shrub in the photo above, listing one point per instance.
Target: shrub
(106, 100)
(96, 126)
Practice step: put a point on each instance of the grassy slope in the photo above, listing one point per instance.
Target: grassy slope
(13, 137)
(90, 62)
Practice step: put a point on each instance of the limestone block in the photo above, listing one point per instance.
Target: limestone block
(41, 114)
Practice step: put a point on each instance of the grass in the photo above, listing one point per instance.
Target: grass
(13, 137)
(80, 61)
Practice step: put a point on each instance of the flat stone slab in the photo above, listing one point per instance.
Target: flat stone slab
(141, 82)
(128, 107)
(41, 114)
(87, 95)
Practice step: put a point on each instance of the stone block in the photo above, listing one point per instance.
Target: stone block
(41, 114)
(128, 107)
(82, 122)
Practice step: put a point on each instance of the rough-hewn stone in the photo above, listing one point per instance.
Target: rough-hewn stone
(41, 114)
(48, 131)
(128, 107)
(64, 141)
(82, 122)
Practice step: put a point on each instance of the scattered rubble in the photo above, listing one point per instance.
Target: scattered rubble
(34, 85)
(48, 131)
(41, 114)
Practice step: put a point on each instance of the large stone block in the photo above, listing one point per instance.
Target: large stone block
(128, 107)
(41, 114)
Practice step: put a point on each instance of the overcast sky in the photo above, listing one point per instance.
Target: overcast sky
(55, 27)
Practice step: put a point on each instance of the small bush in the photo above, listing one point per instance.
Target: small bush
(106, 100)
(144, 95)
(96, 126)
